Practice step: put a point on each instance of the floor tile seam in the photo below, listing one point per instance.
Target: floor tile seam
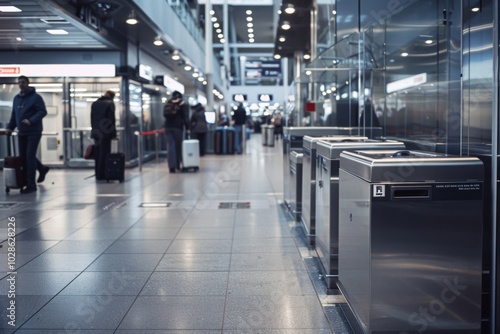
(154, 270)
(227, 276)
(71, 281)
(283, 210)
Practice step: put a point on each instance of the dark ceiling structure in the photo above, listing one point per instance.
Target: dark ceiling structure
(296, 15)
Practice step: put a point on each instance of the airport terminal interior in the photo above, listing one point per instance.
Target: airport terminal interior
(364, 201)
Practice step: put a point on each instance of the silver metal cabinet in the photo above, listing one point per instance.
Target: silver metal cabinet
(308, 213)
(294, 196)
(293, 141)
(327, 199)
(410, 241)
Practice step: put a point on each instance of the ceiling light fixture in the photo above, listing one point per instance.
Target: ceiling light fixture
(286, 25)
(212, 12)
(251, 40)
(158, 41)
(429, 41)
(19, 39)
(475, 9)
(9, 9)
(404, 54)
(187, 68)
(216, 25)
(282, 39)
(57, 31)
(214, 19)
(222, 40)
(250, 29)
(307, 56)
(250, 25)
(249, 19)
(131, 18)
(175, 55)
(290, 9)
(277, 56)
(249, 12)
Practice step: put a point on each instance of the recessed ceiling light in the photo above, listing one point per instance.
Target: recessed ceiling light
(214, 19)
(57, 31)
(404, 54)
(175, 55)
(251, 40)
(19, 39)
(282, 39)
(212, 12)
(195, 74)
(249, 24)
(249, 12)
(308, 72)
(158, 41)
(131, 18)
(286, 25)
(9, 9)
(249, 19)
(307, 56)
(250, 30)
(222, 40)
(290, 9)
(220, 36)
(475, 9)
(218, 31)
(187, 68)
(251, 35)
(216, 25)
(429, 41)
(277, 56)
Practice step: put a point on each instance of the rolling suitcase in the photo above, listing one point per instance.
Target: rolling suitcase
(190, 154)
(219, 140)
(115, 167)
(14, 173)
(230, 140)
(14, 169)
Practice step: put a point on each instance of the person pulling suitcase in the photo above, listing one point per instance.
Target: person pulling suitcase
(28, 110)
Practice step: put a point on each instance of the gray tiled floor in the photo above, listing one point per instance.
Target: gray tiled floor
(91, 259)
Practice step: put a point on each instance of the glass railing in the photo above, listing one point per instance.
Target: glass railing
(183, 11)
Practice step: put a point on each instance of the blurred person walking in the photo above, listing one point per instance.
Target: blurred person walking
(199, 126)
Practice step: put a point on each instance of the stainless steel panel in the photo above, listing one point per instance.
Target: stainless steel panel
(332, 150)
(308, 213)
(380, 166)
(410, 252)
(295, 178)
(327, 204)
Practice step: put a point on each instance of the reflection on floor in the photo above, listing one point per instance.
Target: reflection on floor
(205, 252)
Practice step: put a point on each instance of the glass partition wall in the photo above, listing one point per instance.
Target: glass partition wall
(425, 75)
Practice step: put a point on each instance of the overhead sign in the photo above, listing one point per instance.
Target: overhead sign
(10, 70)
(409, 82)
(239, 2)
(146, 72)
(59, 70)
(265, 97)
(173, 84)
(239, 97)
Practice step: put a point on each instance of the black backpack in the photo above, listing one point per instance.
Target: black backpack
(171, 108)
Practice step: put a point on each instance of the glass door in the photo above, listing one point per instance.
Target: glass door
(77, 128)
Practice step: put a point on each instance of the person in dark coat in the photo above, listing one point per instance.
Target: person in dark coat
(176, 113)
(199, 126)
(239, 119)
(28, 110)
(103, 122)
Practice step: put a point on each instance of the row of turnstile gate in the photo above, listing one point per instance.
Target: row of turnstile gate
(397, 232)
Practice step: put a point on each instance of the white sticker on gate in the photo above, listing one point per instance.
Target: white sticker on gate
(378, 190)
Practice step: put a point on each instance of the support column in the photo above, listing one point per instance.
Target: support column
(299, 104)
(209, 56)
